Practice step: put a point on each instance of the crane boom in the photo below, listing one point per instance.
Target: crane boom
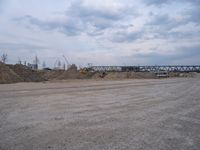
(68, 64)
(66, 60)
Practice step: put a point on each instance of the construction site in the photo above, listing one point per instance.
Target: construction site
(27, 73)
(99, 75)
(100, 107)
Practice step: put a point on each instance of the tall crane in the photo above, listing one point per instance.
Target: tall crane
(68, 64)
(57, 64)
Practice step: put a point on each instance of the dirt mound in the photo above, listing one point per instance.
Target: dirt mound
(21, 73)
(26, 74)
(18, 73)
(7, 75)
(195, 75)
(143, 75)
(117, 75)
(52, 74)
(130, 75)
(183, 74)
(71, 73)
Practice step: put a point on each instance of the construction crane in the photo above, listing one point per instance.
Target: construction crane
(68, 64)
(56, 66)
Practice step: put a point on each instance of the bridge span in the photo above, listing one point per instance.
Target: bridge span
(168, 68)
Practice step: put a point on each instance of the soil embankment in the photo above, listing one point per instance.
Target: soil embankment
(18, 73)
(21, 73)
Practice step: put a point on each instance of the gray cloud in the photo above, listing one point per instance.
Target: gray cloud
(193, 14)
(160, 20)
(197, 2)
(1, 2)
(183, 55)
(164, 21)
(93, 15)
(126, 36)
(2, 5)
(156, 2)
(71, 28)
(98, 18)
(160, 2)
(20, 46)
(154, 22)
(162, 26)
(80, 18)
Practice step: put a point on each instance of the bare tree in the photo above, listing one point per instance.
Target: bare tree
(4, 58)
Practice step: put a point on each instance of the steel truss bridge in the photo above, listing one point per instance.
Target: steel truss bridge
(167, 68)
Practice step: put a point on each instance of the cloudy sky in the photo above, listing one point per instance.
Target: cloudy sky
(101, 32)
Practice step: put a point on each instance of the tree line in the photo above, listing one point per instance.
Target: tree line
(36, 61)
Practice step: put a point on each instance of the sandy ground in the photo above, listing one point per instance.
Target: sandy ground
(101, 115)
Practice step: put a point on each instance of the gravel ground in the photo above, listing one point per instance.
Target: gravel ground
(101, 115)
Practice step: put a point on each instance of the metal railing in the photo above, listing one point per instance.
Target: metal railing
(168, 68)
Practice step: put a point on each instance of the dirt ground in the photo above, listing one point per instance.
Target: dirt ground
(101, 115)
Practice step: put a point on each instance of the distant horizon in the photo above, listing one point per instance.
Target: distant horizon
(93, 65)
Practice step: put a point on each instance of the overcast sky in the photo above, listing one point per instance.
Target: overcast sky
(101, 32)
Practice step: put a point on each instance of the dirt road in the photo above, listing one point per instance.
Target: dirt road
(97, 115)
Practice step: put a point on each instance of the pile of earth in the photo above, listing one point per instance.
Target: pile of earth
(27, 74)
(51, 74)
(183, 74)
(18, 73)
(195, 75)
(73, 73)
(7, 75)
(125, 75)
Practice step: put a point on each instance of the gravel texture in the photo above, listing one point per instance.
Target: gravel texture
(101, 115)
